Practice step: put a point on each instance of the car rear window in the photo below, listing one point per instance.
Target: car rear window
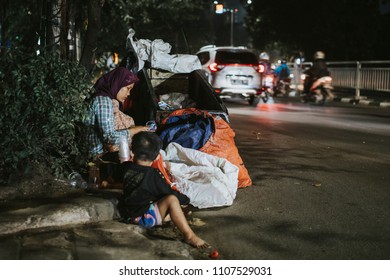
(204, 57)
(232, 57)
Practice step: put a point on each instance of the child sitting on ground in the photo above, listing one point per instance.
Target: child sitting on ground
(147, 198)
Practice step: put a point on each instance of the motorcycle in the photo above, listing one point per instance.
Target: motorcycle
(283, 87)
(267, 88)
(320, 91)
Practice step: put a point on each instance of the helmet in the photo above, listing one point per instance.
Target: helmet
(284, 61)
(319, 55)
(264, 56)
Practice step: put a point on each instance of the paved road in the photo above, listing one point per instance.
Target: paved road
(320, 184)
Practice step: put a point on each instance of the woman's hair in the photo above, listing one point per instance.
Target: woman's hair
(146, 146)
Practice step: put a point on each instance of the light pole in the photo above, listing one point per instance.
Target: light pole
(231, 26)
(219, 9)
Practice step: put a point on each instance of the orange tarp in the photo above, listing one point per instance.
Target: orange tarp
(221, 144)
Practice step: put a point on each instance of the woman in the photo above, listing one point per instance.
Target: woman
(102, 136)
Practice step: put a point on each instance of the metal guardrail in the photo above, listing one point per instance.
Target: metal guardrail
(357, 75)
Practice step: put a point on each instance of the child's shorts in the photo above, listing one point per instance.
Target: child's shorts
(151, 218)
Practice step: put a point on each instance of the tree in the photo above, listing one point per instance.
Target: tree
(102, 25)
(183, 23)
(19, 23)
(91, 36)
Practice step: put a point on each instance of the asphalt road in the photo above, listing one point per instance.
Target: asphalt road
(321, 184)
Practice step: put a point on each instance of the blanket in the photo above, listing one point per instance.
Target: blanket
(207, 180)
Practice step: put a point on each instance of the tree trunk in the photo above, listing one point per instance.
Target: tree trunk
(64, 29)
(72, 33)
(90, 45)
(4, 26)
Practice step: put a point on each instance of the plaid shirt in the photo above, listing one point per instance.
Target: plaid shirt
(100, 122)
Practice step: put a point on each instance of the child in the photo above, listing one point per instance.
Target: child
(147, 198)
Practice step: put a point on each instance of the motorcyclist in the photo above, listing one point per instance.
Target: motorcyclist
(282, 71)
(317, 70)
(267, 76)
(264, 60)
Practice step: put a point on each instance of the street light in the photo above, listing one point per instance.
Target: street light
(231, 26)
(219, 9)
(232, 11)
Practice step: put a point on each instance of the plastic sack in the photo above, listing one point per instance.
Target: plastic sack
(207, 180)
(157, 53)
(175, 99)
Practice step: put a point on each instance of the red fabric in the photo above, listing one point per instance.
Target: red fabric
(159, 164)
(186, 111)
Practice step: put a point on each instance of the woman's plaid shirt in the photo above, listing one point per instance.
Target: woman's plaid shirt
(100, 122)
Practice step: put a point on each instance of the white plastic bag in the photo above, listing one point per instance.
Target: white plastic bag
(207, 180)
(157, 53)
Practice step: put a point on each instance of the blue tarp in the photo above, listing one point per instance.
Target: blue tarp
(190, 130)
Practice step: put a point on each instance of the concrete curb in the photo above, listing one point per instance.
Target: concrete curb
(352, 100)
(79, 210)
(367, 102)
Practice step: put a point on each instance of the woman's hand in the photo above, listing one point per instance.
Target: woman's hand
(136, 129)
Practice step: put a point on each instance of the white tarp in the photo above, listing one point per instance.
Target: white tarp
(157, 53)
(207, 180)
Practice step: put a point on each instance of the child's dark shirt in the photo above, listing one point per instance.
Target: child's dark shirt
(141, 186)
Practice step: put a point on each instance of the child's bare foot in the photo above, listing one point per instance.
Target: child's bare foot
(196, 242)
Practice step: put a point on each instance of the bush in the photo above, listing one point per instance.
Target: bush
(42, 111)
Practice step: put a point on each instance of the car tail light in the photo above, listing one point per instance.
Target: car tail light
(214, 67)
(260, 68)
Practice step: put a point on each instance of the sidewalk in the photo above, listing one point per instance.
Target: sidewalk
(84, 226)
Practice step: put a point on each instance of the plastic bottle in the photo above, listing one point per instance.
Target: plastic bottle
(152, 126)
(124, 150)
(94, 176)
(76, 181)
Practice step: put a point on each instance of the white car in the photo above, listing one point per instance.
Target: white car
(232, 71)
